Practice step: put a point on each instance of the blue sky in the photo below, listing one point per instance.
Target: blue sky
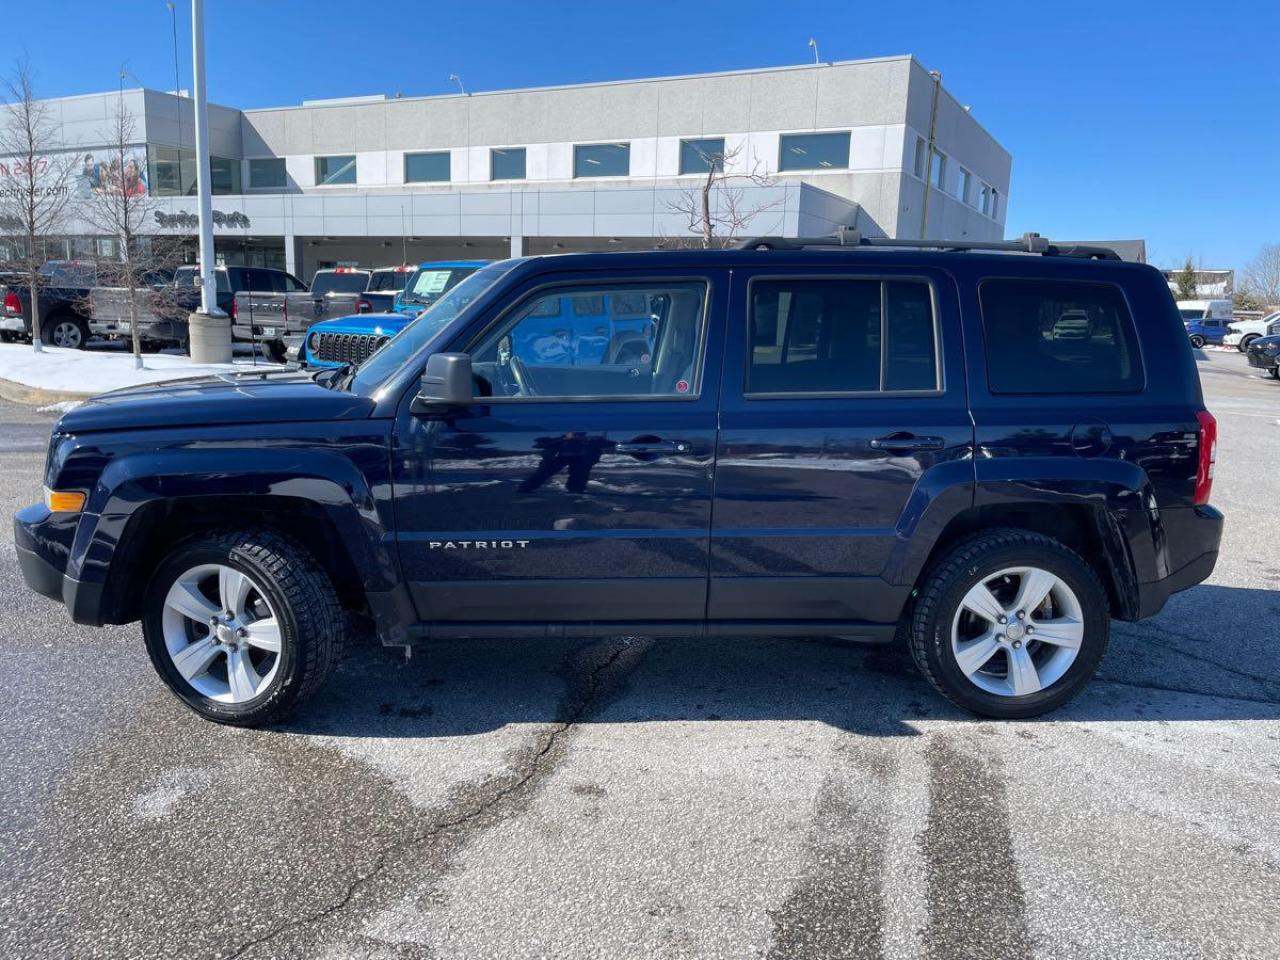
(1129, 119)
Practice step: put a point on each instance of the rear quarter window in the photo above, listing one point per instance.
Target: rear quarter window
(1059, 337)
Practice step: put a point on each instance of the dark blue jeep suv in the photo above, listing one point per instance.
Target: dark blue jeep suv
(987, 451)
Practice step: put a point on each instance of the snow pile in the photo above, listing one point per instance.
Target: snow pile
(92, 372)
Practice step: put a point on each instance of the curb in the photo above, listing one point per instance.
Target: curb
(35, 396)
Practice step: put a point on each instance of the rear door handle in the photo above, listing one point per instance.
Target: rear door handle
(652, 448)
(907, 443)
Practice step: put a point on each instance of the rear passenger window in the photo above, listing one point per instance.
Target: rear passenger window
(1047, 337)
(841, 336)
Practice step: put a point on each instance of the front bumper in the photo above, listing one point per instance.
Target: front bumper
(1262, 360)
(43, 544)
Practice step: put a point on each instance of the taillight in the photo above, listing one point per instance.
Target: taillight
(11, 302)
(235, 312)
(1208, 456)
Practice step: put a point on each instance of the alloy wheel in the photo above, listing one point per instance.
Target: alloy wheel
(66, 334)
(1017, 632)
(221, 633)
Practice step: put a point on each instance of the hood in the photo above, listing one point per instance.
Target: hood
(388, 323)
(280, 397)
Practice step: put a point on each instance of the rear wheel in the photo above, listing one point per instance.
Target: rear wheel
(1197, 341)
(1275, 372)
(242, 627)
(1010, 624)
(65, 331)
(275, 351)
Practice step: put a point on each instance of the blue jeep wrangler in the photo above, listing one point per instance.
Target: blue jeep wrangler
(988, 452)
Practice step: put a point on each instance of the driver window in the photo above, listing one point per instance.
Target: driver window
(602, 340)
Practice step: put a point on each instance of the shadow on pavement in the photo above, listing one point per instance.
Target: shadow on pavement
(1210, 655)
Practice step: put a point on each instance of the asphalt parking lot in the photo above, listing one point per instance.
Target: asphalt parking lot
(658, 798)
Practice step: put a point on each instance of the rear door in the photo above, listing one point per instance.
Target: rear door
(843, 413)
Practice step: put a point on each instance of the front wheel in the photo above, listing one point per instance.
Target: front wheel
(242, 627)
(1010, 624)
(1243, 345)
(1275, 372)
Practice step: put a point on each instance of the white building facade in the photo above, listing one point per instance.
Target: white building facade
(373, 180)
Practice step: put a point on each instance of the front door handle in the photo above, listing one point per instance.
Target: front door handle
(907, 443)
(652, 447)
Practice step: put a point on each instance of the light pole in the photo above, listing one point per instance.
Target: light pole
(209, 330)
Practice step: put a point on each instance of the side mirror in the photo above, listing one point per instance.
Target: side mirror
(446, 384)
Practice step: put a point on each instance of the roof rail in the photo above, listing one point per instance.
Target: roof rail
(849, 237)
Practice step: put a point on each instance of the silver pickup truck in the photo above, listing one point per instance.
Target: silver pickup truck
(268, 317)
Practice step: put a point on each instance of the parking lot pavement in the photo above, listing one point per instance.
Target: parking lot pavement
(640, 798)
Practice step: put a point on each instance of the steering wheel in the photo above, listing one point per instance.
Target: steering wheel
(520, 374)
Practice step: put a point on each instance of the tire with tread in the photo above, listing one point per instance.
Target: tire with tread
(980, 556)
(313, 623)
(1197, 341)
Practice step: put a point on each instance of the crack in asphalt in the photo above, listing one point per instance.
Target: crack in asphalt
(1188, 690)
(576, 708)
(1155, 641)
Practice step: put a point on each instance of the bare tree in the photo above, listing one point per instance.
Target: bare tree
(35, 196)
(1261, 278)
(120, 206)
(719, 208)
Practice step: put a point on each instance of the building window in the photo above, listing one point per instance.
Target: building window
(335, 170)
(267, 173)
(700, 156)
(426, 167)
(966, 186)
(921, 158)
(984, 199)
(171, 172)
(814, 151)
(939, 173)
(602, 160)
(224, 176)
(506, 164)
(995, 204)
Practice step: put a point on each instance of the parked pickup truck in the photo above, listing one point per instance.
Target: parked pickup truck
(64, 303)
(1241, 333)
(823, 437)
(162, 311)
(269, 315)
(385, 284)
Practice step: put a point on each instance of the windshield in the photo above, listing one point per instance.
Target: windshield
(335, 282)
(430, 283)
(388, 280)
(1193, 314)
(426, 327)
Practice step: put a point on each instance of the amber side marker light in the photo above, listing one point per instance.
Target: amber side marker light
(59, 501)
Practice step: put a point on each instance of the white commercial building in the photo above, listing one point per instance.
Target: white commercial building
(374, 180)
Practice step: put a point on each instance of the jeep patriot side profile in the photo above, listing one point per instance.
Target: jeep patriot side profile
(989, 454)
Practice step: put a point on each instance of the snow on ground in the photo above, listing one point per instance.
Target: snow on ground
(96, 371)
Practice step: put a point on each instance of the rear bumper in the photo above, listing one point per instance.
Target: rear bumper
(10, 323)
(258, 332)
(1199, 529)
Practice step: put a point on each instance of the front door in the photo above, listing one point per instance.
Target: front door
(843, 411)
(578, 487)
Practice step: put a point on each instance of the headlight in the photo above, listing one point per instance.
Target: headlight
(381, 342)
(313, 343)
